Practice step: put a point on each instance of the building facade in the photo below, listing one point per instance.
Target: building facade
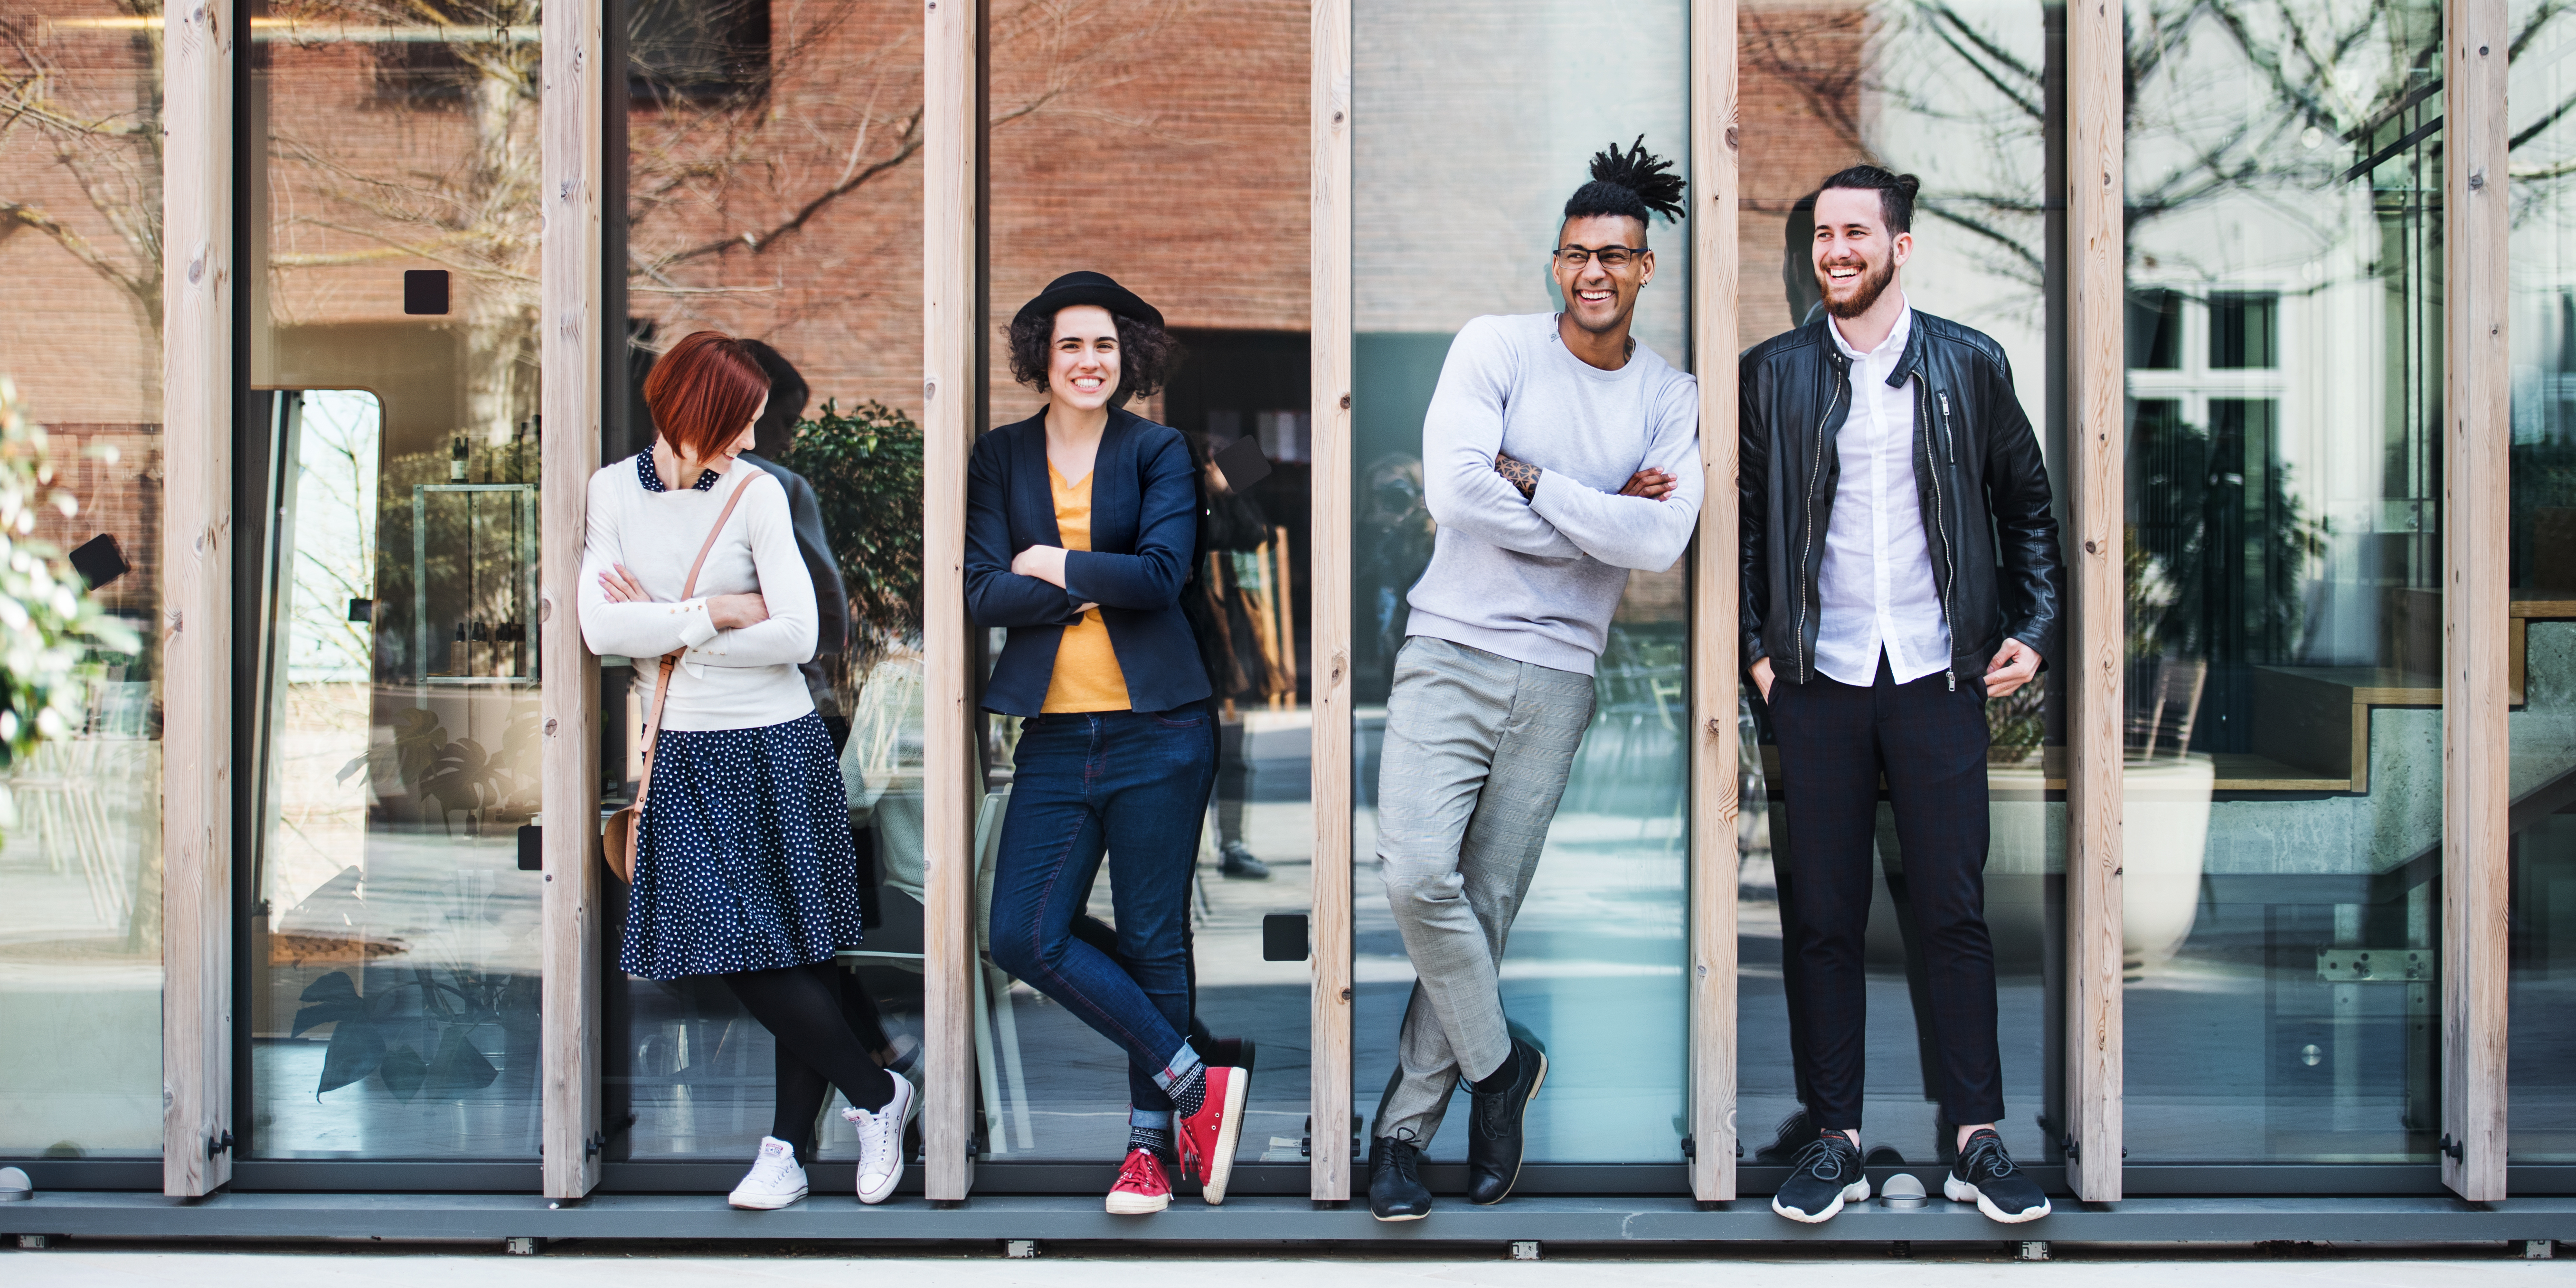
(327, 309)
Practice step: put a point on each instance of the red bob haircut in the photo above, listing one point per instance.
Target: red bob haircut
(704, 392)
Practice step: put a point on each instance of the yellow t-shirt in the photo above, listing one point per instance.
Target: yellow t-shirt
(1086, 676)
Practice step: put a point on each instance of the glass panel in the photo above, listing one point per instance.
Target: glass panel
(1467, 148)
(80, 334)
(2284, 557)
(762, 163)
(1901, 84)
(388, 633)
(2543, 936)
(1223, 255)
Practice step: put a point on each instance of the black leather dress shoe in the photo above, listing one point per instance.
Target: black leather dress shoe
(1396, 1191)
(1494, 1144)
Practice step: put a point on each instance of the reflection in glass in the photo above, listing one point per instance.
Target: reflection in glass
(1959, 95)
(2543, 727)
(766, 190)
(388, 634)
(1466, 152)
(2284, 559)
(80, 336)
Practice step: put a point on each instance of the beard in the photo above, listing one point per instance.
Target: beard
(1873, 282)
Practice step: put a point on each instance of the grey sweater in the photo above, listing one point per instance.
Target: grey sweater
(1536, 580)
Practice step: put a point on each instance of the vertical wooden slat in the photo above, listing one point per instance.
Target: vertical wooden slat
(1329, 1174)
(1714, 675)
(951, 158)
(196, 608)
(2095, 639)
(572, 331)
(2476, 478)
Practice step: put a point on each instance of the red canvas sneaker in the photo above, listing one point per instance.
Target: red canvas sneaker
(1142, 1188)
(1207, 1138)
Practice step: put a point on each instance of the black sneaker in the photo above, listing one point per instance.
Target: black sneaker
(1827, 1176)
(1396, 1191)
(1795, 1131)
(1494, 1147)
(1235, 861)
(1986, 1173)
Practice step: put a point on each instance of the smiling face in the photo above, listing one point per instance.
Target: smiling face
(1856, 259)
(1599, 298)
(1082, 362)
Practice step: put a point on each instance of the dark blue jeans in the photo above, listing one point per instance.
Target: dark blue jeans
(1133, 785)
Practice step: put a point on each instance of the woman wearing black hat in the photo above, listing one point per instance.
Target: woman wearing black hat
(1081, 530)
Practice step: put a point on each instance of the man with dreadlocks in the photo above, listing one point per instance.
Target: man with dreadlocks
(1557, 455)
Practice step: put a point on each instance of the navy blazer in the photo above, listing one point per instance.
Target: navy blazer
(1144, 539)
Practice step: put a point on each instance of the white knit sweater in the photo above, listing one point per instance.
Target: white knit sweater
(727, 679)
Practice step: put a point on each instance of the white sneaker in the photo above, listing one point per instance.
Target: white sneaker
(881, 1143)
(776, 1178)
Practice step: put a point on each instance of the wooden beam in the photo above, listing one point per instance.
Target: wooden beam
(952, 352)
(196, 599)
(1716, 743)
(2476, 478)
(571, 331)
(2096, 638)
(1329, 1100)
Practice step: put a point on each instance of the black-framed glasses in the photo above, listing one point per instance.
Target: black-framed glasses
(1613, 258)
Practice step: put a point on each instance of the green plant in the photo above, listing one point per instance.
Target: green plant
(51, 630)
(865, 466)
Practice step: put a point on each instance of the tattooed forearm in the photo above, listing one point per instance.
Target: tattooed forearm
(1518, 473)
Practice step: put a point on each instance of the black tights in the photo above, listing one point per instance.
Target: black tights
(825, 1028)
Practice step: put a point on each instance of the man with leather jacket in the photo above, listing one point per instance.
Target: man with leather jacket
(1900, 567)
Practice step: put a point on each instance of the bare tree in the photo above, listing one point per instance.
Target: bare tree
(101, 132)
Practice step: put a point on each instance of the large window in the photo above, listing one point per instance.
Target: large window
(2284, 774)
(80, 337)
(1959, 95)
(387, 627)
(1466, 149)
(771, 193)
(2543, 648)
(1203, 109)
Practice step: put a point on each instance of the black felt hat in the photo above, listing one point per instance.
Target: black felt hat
(1088, 288)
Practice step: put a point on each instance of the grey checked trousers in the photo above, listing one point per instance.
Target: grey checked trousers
(1477, 751)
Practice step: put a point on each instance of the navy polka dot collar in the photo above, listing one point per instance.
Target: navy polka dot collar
(653, 478)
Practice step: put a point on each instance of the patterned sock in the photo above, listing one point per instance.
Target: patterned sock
(1150, 1129)
(1188, 1089)
(1156, 1139)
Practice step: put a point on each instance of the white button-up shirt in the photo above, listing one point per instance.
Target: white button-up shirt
(1876, 591)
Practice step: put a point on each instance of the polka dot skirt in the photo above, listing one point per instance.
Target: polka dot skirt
(743, 858)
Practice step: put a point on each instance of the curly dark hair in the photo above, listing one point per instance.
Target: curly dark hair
(1147, 354)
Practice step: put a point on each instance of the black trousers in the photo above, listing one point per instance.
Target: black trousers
(1929, 742)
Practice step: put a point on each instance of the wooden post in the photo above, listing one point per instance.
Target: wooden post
(1715, 674)
(2476, 478)
(196, 605)
(1329, 577)
(571, 332)
(951, 353)
(2096, 636)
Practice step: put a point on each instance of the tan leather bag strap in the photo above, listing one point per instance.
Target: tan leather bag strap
(671, 661)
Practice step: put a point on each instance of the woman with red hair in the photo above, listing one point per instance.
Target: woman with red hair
(744, 867)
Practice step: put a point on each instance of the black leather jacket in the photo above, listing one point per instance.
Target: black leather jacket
(1977, 471)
